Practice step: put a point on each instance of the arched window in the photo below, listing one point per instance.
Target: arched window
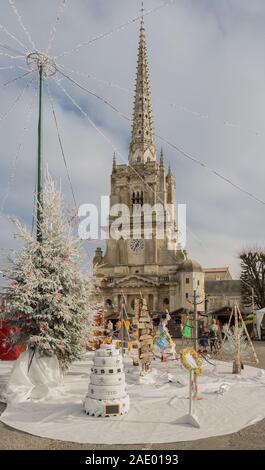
(109, 303)
(138, 198)
(166, 301)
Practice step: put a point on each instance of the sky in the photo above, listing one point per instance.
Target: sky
(207, 72)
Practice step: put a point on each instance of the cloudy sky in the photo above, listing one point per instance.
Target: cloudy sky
(207, 68)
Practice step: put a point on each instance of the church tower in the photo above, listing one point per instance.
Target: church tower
(142, 148)
(139, 263)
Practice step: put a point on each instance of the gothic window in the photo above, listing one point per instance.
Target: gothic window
(138, 198)
(187, 295)
(198, 283)
(140, 131)
(109, 303)
(166, 301)
(138, 159)
(187, 280)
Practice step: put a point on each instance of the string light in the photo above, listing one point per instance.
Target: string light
(12, 36)
(109, 141)
(19, 18)
(185, 154)
(61, 147)
(9, 67)
(5, 54)
(112, 31)
(17, 78)
(18, 152)
(5, 46)
(54, 29)
(180, 107)
(16, 101)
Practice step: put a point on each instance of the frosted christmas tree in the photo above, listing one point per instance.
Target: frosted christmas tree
(48, 294)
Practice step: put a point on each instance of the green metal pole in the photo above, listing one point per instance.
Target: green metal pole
(39, 164)
(195, 326)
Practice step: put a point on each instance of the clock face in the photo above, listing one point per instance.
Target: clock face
(137, 246)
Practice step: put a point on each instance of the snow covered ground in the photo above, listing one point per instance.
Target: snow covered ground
(229, 403)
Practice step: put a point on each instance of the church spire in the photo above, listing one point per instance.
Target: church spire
(161, 162)
(142, 147)
(114, 164)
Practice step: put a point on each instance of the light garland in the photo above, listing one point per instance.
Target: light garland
(183, 353)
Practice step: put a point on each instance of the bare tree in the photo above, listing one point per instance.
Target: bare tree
(253, 277)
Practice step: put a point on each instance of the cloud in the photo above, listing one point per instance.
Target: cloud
(206, 56)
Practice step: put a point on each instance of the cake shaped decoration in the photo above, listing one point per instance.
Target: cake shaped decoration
(107, 395)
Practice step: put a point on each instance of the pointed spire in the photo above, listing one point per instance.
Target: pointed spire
(142, 142)
(169, 173)
(114, 164)
(161, 162)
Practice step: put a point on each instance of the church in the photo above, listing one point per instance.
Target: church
(130, 267)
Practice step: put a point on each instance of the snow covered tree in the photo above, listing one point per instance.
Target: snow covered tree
(48, 294)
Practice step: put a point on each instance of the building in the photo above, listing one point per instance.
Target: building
(134, 265)
(217, 274)
(220, 294)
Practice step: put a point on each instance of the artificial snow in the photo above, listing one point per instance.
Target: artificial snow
(227, 404)
(33, 376)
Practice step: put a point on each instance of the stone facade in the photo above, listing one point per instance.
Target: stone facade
(131, 266)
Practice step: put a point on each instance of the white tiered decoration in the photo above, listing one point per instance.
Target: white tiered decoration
(107, 394)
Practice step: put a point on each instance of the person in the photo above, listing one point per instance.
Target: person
(203, 342)
(214, 336)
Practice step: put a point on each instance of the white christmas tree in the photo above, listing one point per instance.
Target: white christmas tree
(48, 293)
(237, 342)
(233, 341)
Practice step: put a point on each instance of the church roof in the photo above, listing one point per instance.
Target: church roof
(190, 265)
(142, 140)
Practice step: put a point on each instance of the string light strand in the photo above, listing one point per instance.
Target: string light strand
(187, 155)
(112, 31)
(53, 31)
(18, 153)
(12, 36)
(19, 18)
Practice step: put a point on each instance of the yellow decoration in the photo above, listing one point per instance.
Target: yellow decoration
(129, 345)
(107, 341)
(118, 325)
(127, 324)
(183, 353)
